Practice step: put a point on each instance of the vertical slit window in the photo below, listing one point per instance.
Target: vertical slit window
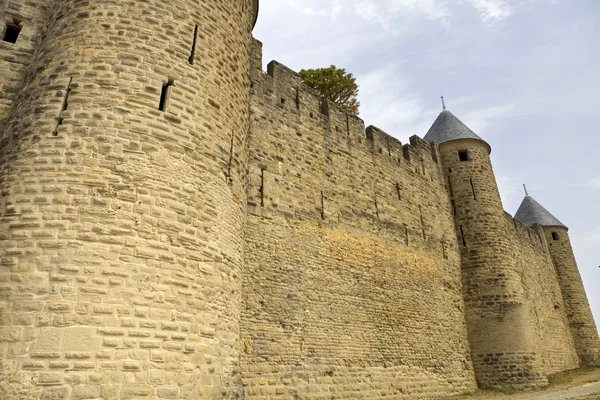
(164, 95)
(473, 189)
(398, 191)
(462, 234)
(262, 187)
(347, 125)
(63, 107)
(193, 52)
(322, 206)
(422, 222)
(230, 163)
(12, 31)
(407, 239)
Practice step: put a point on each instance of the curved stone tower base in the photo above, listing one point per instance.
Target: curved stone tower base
(122, 202)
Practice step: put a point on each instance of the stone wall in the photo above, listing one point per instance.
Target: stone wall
(352, 274)
(580, 318)
(497, 312)
(16, 57)
(166, 234)
(553, 338)
(121, 237)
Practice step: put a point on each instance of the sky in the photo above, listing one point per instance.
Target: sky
(522, 74)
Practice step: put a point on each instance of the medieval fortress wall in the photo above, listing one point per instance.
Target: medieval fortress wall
(352, 275)
(353, 262)
(176, 223)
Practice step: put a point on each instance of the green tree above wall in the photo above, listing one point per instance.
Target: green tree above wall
(334, 84)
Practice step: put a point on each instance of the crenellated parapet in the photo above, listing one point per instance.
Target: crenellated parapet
(284, 88)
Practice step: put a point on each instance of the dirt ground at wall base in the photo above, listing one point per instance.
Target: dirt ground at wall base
(579, 384)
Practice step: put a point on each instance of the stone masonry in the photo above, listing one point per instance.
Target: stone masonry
(176, 223)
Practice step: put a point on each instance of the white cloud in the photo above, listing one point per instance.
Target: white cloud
(511, 193)
(479, 119)
(491, 11)
(431, 9)
(388, 13)
(390, 105)
(595, 183)
(392, 15)
(589, 241)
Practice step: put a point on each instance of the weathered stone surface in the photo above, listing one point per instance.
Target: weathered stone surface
(110, 205)
(178, 224)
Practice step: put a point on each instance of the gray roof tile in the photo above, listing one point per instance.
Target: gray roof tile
(447, 127)
(531, 212)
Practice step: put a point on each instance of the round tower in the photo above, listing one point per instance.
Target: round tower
(581, 320)
(123, 202)
(497, 315)
(21, 27)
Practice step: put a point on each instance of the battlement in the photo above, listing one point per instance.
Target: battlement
(525, 235)
(287, 90)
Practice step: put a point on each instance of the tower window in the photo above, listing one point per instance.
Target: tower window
(554, 235)
(13, 29)
(463, 155)
(164, 95)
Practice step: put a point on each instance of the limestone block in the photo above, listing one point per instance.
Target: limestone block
(81, 339)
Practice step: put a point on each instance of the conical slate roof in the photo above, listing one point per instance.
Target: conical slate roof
(447, 127)
(531, 212)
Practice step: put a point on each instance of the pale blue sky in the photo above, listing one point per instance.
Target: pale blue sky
(523, 74)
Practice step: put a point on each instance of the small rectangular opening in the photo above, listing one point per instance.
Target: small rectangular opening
(554, 235)
(63, 108)
(322, 206)
(164, 95)
(13, 29)
(193, 52)
(229, 164)
(399, 191)
(463, 155)
(473, 189)
(262, 187)
(422, 223)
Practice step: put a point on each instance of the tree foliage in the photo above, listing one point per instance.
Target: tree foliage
(334, 84)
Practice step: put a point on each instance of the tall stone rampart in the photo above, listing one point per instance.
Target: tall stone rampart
(352, 277)
(553, 340)
(123, 199)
